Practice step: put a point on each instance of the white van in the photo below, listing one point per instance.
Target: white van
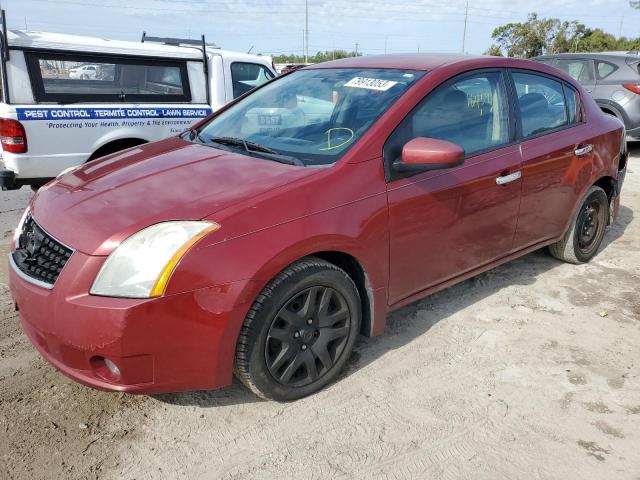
(68, 99)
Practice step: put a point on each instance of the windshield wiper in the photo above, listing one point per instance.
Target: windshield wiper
(248, 146)
(252, 147)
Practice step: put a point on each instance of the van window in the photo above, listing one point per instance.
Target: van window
(247, 76)
(76, 78)
(541, 101)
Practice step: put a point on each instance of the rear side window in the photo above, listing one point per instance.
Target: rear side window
(81, 78)
(541, 102)
(247, 76)
(578, 69)
(471, 112)
(604, 69)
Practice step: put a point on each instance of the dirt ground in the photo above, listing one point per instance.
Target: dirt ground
(530, 371)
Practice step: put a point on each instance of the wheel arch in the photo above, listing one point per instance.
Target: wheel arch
(611, 108)
(115, 145)
(358, 274)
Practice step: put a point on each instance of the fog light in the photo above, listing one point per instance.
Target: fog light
(113, 368)
(105, 368)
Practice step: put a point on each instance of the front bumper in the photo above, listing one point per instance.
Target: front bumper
(173, 343)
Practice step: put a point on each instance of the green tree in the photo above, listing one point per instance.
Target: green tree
(635, 4)
(494, 50)
(538, 36)
(317, 58)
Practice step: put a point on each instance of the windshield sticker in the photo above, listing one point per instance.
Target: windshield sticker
(370, 83)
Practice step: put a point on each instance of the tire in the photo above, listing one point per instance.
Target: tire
(299, 332)
(583, 238)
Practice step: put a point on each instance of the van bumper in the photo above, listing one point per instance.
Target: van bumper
(9, 180)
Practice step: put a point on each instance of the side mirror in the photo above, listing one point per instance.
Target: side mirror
(421, 154)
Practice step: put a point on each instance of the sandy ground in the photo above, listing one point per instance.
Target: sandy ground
(530, 371)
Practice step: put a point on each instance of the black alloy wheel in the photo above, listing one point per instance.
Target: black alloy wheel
(307, 336)
(299, 332)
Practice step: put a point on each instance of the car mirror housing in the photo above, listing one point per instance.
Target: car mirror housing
(421, 154)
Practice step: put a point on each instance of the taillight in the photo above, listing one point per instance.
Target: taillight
(12, 136)
(632, 87)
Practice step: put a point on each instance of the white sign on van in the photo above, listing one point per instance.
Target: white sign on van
(370, 83)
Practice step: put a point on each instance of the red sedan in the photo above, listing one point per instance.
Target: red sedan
(264, 240)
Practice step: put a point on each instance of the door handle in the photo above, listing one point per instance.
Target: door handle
(583, 150)
(508, 178)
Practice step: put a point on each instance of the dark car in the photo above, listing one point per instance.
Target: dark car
(266, 238)
(613, 79)
(292, 67)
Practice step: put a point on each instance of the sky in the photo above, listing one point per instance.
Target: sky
(276, 26)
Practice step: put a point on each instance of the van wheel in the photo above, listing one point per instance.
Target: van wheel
(582, 240)
(299, 332)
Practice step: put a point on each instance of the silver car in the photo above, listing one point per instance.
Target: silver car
(612, 78)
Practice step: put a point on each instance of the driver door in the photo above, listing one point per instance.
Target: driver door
(445, 223)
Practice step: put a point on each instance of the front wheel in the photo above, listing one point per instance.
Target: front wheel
(583, 239)
(299, 332)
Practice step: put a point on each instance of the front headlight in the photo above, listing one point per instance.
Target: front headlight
(140, 266)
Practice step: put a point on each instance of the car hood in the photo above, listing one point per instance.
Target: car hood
(94, 208)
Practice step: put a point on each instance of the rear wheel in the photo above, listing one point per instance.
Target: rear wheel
(582, 240)
(299, 332)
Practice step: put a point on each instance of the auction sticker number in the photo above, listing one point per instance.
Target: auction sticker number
(370, 83)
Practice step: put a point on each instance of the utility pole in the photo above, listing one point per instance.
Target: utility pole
(621, 22)
(356, 49)
(306, 31)
(464, 32)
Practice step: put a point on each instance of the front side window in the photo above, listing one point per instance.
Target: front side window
(541, 103)
(471, 112)
(576, 68)
(314, 116)
(247, 76)
(74, 78)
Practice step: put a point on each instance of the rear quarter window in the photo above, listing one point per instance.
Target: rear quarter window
(61, 77)
(604, 69)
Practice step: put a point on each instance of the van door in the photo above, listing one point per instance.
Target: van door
(243, 75)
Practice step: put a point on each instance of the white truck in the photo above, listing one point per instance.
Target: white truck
(67, 99)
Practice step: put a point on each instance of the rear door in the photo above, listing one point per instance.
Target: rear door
(556, 155)
(444, 223)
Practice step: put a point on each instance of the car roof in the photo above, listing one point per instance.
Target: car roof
(407, 61)
(77, 43)
(608, 55)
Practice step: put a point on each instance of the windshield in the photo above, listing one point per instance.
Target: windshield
(309, 116)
